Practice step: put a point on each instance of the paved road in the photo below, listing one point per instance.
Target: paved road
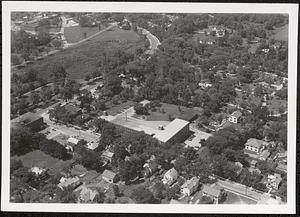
(240, 189)
(154, 42)
(71, 131)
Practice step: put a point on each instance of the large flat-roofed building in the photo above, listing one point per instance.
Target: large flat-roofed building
(30, 120)
(165, 132)
(176, 131)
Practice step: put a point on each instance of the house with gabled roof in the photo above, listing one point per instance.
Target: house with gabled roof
(170, 176)
(212, 192)
(109, 176)
(190, 186)
(254, 147)
(234, 117)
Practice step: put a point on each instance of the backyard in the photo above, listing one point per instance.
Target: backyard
(40, 159)
(165, 111)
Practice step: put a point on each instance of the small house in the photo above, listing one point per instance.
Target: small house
(150, 168)
(239, 166)
(254, 147)
(234, 117)
(281, 167)
(264, 155)
(190, 186)
(107, 155)
(109, 176)
(212, 192)
(65, 182)
(37, 170)
(274, 181)
(85, 194)
(170, 176)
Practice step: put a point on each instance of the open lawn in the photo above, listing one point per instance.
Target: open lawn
(76, 33)
(116, 109)
(282, 33)
(83, 58)
(165, 111)
(237, 199)
(40, 159)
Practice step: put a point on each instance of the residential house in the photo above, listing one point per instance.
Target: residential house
(78, 170)
(239, 166)
(109, 176)
(170, 176)
(254, 147)
(282, 167)
(150, 168)
(37, 170)
(190, 186)
(65, 182)
(204, 85)
(264, 155)
(253, 163)
(234, 117)
(107, 155)
(212, 192)
(273, 181)
(85, 194)
(71, 143)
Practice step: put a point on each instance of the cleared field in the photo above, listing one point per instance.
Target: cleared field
(282, 33)
(83, 59)
(40, 159)
(166, 110)
(76, 33)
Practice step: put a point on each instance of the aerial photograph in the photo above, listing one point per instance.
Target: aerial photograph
(148, 108)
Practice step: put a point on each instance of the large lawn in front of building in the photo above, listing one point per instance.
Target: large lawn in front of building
(40, 159)
(167, 111)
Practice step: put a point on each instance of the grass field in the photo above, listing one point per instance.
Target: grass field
(40, 159)
(76, 33)
(282, 33)
(237, 199)
(162, 113)
(82, 59)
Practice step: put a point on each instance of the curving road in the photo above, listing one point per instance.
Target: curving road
(153, 40)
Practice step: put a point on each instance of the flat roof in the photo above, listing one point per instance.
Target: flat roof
(171, 129)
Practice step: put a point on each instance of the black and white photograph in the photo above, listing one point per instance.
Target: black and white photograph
(149, 107)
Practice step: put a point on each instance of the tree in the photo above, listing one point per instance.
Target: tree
(159, 190)
(172, 192)
(20, 141)
(35, 98)
(15, 60)
(15, 164)
(58, 72)
(70, 88)
(57, 43)
(142, 195)
(235, 40)
(66, 195)
(266, 167)
(140, 109)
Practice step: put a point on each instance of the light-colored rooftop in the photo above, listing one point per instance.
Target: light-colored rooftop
(171, 129)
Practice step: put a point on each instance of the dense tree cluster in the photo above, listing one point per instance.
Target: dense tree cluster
(24, 141)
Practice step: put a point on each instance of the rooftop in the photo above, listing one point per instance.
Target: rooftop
(237, 114)
(211, 191)
(171, 129)
(109, 174)
(65, 182)
(73, 140)
(191, 183)
(255, 143)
